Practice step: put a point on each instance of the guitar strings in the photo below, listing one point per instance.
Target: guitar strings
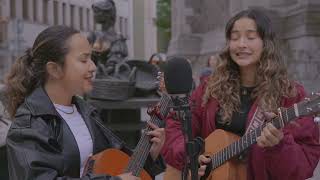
(137, 149)
(133, 157)
(146, 147)
(136, 163)
(221, 156)
(162, 111)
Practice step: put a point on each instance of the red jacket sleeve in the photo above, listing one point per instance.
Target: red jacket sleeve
(174, 147)
(297, 155)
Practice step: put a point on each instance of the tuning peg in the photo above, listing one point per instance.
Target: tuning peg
(307, 99)
(316, 119)
(309, 109)
(317, 93)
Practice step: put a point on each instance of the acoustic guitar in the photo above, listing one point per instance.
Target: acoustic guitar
(114, 162)
(223, 147)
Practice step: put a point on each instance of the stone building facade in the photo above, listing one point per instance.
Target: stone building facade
(198, 31)
(22, 20)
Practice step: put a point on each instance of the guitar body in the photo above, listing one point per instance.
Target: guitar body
(112, 162)
(231, 170)
(221, 146)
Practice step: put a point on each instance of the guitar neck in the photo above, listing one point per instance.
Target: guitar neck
(142, 149)
(250, 138)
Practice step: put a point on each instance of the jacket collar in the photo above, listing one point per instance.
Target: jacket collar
(40, 104)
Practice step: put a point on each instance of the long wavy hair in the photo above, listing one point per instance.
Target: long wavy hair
(29, 70)
(272, 81)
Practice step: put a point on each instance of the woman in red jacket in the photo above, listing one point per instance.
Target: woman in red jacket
(250, 73)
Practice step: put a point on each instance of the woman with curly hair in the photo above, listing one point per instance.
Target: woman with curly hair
(250, 73)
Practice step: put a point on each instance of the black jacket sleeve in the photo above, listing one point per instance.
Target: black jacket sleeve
(33, 154)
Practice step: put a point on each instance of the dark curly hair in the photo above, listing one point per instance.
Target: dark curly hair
(272, 81)
(29, 70)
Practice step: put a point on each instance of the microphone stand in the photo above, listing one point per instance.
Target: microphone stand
(193, 147)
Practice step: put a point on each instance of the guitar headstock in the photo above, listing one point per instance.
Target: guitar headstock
(310, 106)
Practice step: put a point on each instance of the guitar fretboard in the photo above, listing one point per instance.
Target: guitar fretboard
(142, 149)
(250, 138)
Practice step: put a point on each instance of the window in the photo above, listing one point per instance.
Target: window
(25, 10)
(126, 26)
(64, 9)
(117, 26)
(3, 66)
(35, 10)
(45, 12)
(88, 19)
(121, 25)
(72, 23)
(55, 12)
(81, 18)
(94, 24)
(13, 8)
(3, 30)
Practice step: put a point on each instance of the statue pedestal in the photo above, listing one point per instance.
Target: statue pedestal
(124, 117)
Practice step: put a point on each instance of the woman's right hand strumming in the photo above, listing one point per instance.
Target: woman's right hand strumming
(203, 161)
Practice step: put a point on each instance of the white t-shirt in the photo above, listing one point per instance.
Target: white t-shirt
(79, 130)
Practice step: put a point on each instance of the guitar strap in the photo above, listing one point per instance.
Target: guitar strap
(256, 121)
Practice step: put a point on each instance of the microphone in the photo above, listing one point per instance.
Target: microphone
(178, 82)
(178, 76)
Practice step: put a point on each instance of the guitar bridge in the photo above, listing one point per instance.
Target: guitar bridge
(89, 167)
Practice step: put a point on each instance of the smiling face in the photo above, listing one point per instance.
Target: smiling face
(78, 69)
(245, 43)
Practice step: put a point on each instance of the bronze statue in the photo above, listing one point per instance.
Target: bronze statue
(109, 48)
(117, 78)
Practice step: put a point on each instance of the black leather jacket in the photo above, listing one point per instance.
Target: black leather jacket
(40, 144)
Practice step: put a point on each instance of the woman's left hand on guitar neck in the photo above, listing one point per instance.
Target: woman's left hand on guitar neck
(157, 138)
(270, 135)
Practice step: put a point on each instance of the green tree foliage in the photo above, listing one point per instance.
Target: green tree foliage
(163, 22)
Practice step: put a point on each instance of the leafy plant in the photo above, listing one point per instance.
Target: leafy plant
(163, 22)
